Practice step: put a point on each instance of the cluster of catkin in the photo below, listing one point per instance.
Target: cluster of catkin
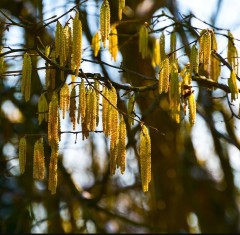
(107, 32)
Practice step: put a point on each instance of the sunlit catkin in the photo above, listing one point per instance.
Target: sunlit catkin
(73, 107)
(156, 53)
(53, 119)
(113, 43)
(26, 76)
(215, 68)
(232, 53)
(194, 60)
(105, 21)
(97, 91)
(173, 45)
(64, 99)
(77, 44)
(52, 178)
(163, 83)
(22, 152)
(130, 110)
(121, 154)
(143, 41)
(2, 64)
(82, 102)
(145, 157)
(232, 83)
(192, 108)
(42, 109)
(162, 47)
(96, 43)
(205, 48)
(105, 109)
(174, 94)
(38, 160)
(121, 5)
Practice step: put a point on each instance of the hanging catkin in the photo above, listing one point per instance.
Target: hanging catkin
(73, 107)
(143, 41)
(64, 99)
(173, 45)
(53, 121)
(22, 152)
(113, 43)
(105, 21)
(232, 83)
(163, 83)
(52, 178)
(38, 160)
(82, 102)
(232, 53)
(194, 60)
(156, 53)
(145, 157)
(26, 76)
(121, 5)
(192, 108)
(77, 44)
(130, 109)
(174, 93)
(42, 109)
(96, 43)
(121, 153)
(162, 47)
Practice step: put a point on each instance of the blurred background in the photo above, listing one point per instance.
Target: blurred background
(195, 171)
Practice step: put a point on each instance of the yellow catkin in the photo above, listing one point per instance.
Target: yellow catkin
(26, 77)
(96, 43)
(232, 53)
(112, 128)
(67, 44)
(121, 5)
(93, 105)
(113, 43)
(194, 60)
(38, 160)
(173, 46)
(2, 64)
(143, 41)
(50, 73)
(215, 68)
(42, 109)
(130, 110)
(232, 83)
(105, 108)
(52, 178)
(121, 154)
(214, 45)
(73, 107)
(164, 77)
(97, 91)
(156, 53)
(174, 94)
(89, 117)
(105, 21)
(64, 99)
(145, 157)
(22, 152)
(192, 108)
(53, 121)
(205, 48)
(58, 39)
(81, 102)
(77, 44)
(113, 114)
(162, 47)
